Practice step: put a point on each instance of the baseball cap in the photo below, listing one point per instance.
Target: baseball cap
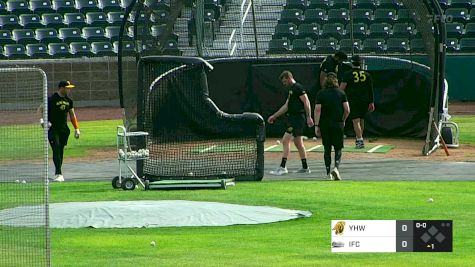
(66, 84)
(355, 58)
(332, 74)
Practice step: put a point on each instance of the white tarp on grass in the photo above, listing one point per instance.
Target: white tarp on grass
(132, 214)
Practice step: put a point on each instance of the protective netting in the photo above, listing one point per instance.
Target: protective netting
(23, 166)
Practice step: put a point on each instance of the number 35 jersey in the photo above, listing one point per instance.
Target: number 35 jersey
(359, 86)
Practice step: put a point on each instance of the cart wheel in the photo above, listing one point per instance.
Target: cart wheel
(115, 182)
(128, 184)
(447, 135)
(147, 184)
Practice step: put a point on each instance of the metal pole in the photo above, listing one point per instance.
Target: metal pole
(254, 28)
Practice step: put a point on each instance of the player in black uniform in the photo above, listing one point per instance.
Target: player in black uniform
(331, 111)
(59, 106)
(358, 86)
(297, 109)
(331, 64)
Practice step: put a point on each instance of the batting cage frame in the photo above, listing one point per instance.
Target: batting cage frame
(24, 181)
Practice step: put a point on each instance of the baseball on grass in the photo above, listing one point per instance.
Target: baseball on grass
(430, 200)
(153, 244)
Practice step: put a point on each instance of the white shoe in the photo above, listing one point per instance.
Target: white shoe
(279, 171)
(336, 174)
(329, 177)
(302, 170)
(58, 178)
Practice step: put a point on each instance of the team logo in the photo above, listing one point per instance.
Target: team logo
(339, 227)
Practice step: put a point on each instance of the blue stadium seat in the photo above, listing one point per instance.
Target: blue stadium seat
(41, 6)
(279, 46)
(37, 51)
(350, 45)
(64, 6)
(470, 30)
(171, 48)
(94, 34)
(370, 4)
(81, 49)
(458, 14)
(418, 45)
(341, 15)
(291, 15)
(52, 20)
(452, 44)
(58, 50)
(18, 7)
(454, 30)
(298, 4)
(395, 4)
(462, 4)
(85, 6)
(317, 15)
(3, 9)
(9, 22)
(309, 30)
(397, 45)
(303, 46)
(30, 21)
(371, 45)
(158, 31)
(69, 35)
(405, 15)
(102, 49)
(75, 20)
(127, 47)
(287, 30)
(115, 18)
(360, 30)
(323, 4)
(334, 30)
(23, 36)
(15, 51)
(112, 33)
(47, 35)
(326, 46)
(6, 37)
(362, 15)
(385, 15)
(380, 30)
(467, 45)
(404, 30)
(96, 19)
(109, 5)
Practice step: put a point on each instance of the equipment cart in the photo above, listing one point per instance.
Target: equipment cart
(128, 152)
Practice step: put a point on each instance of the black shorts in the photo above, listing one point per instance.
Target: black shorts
(296, 124)
(60, 136)
(332, 136)
(358, 110)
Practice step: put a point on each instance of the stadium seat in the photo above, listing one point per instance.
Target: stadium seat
(370, 4)
(132, 14)
(467, 45)
(405, 15)
(452, 44)
(162, 16)
(472, 14)
(85, 6)
(326, 46)
(309, 30)
(41, 6)
(9, 21)
(47, 35)
(77, 20)
(37, 50)
(379, 30)
(288, 30)
(6, 37)
(14, 51)
(317, 15)
(208, 4)
(109, 5)
(360, 30)
(52, 20)
(404, 30)
(291, 15)
(279, 46)
(470, 30)
(158, 32)
(112, 33)
(96, 19)
(102, 49)
(341, 4)
(18, 7)
(171, 48)
(298, 4)
(23, 36)
(334, 30)
(141, 31)
(454, 30)
(397, 45)
(94, 34)
(385, 15)
(395, 4)
(81, 49)
(458, 14)
(462, 4)
(418, 45)
(323, 4)
(362, 15)
(64, 6)
(30, 21)
(444, 4)
(125, 3)
(3, 10)
(350, 45)
(341, 15)
(115, 18)
(158, 5)
(303, 46)
(58, 50)
(371, 45)
(69, 35)
(127, 47)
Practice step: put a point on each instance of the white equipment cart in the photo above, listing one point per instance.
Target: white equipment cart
(127, 153)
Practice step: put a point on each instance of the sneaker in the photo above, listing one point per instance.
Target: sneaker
(336, 174)
(302, 170)
(359, 144)
(329, 177)
(279, 171)
(58, 178)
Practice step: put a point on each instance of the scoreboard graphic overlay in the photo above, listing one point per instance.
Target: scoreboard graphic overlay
(391, 235)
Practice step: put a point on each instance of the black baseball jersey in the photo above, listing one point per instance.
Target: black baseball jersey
(295, 105)
(359, 86)
(329, 64)
(332, 100)
(58, 109)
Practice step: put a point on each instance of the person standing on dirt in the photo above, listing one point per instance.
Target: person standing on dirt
(59, 106)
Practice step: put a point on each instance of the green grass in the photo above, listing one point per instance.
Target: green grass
(467, 128)
(302, 242)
